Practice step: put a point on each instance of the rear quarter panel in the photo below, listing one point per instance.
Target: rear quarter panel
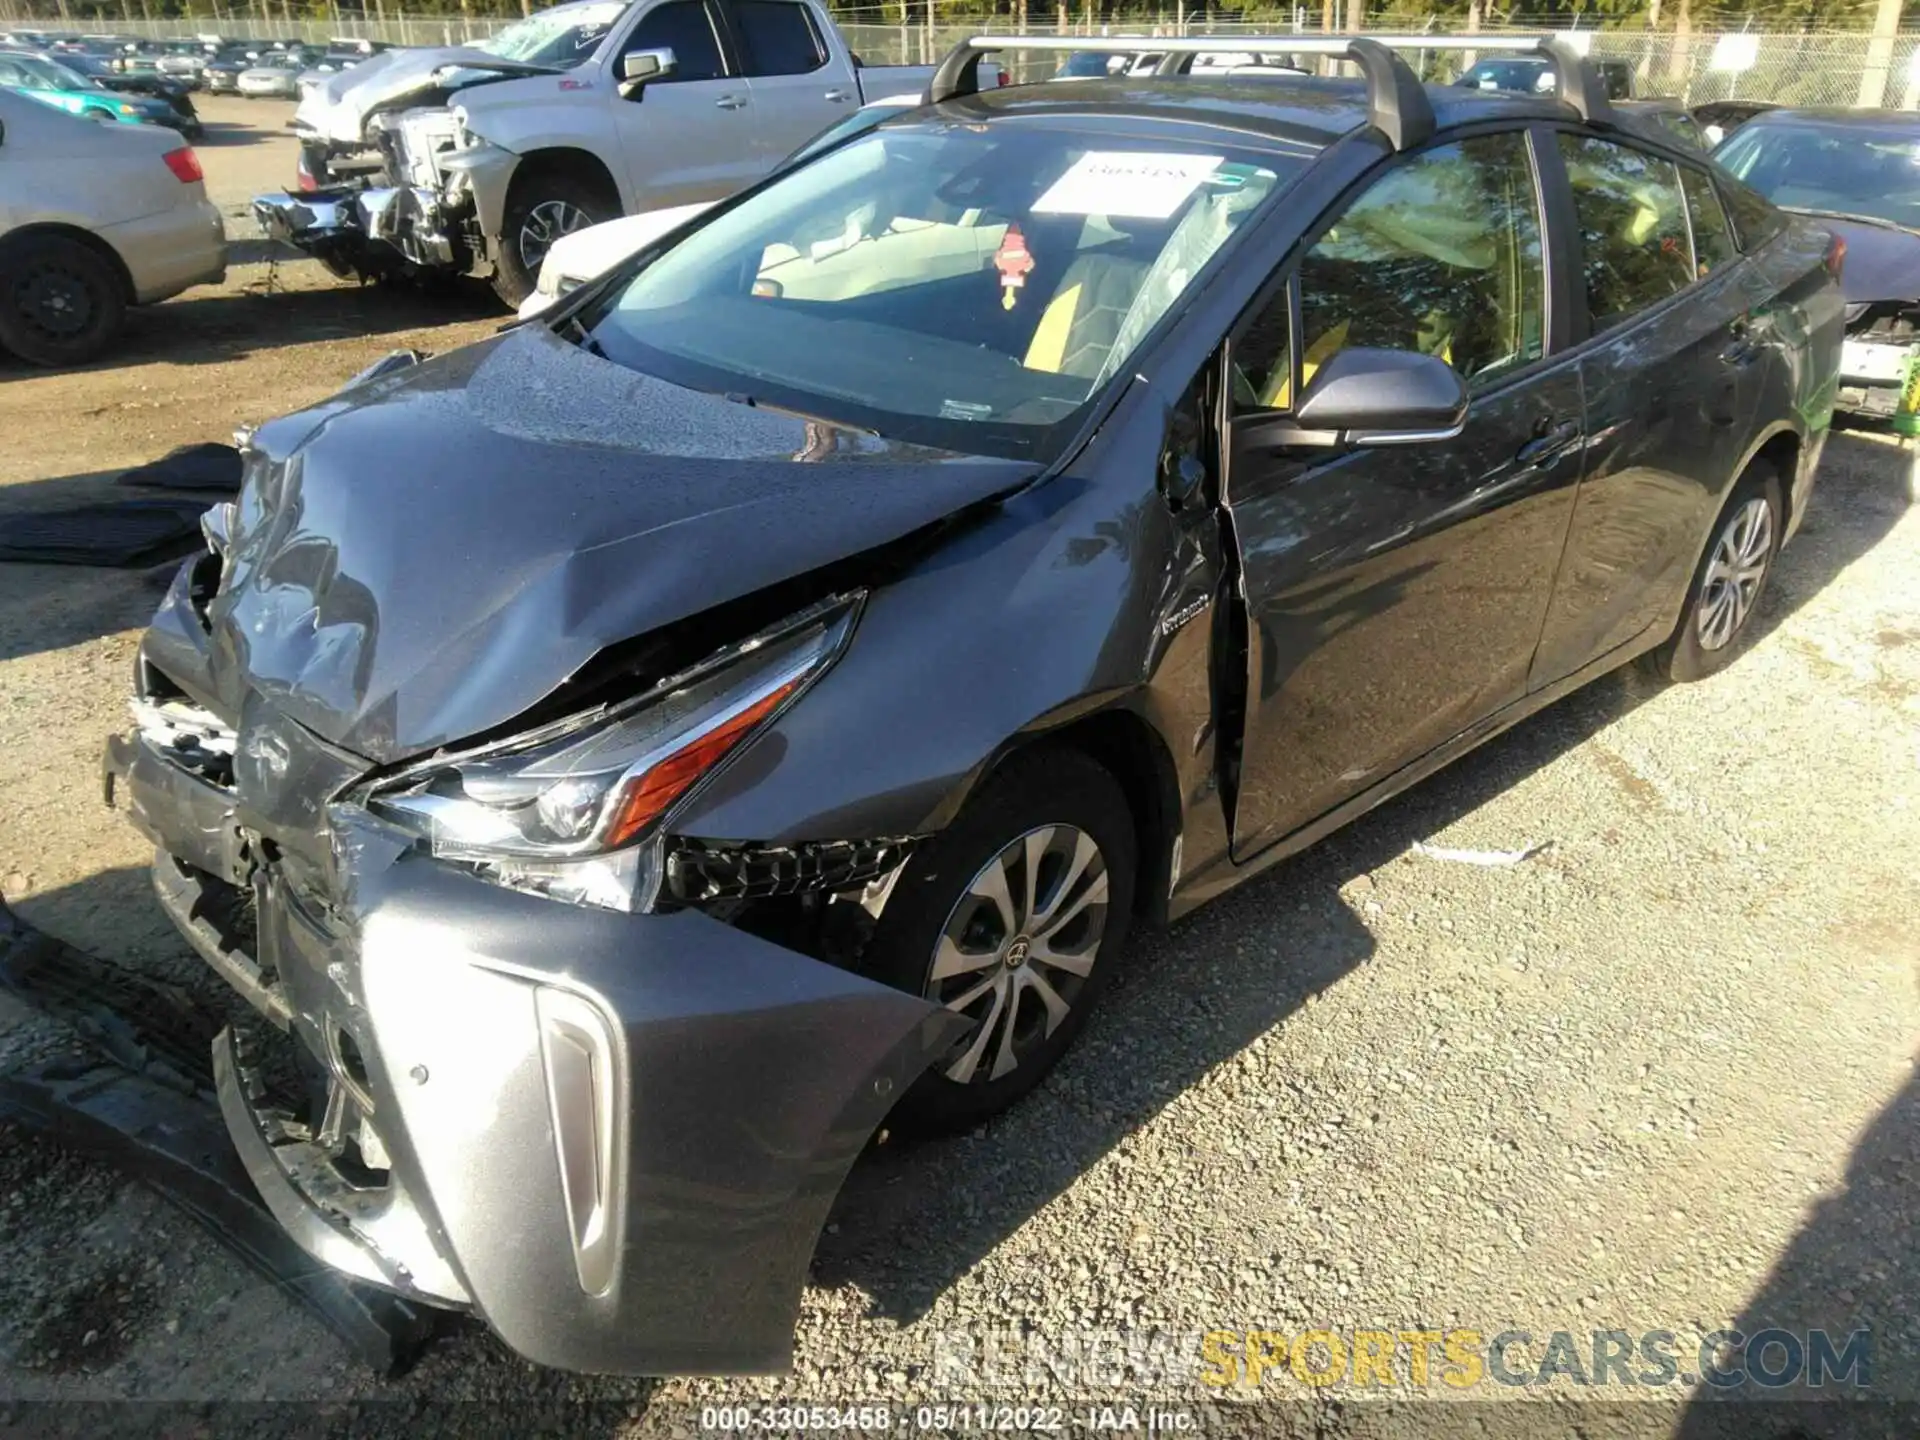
(1798, 313)
(58, 169)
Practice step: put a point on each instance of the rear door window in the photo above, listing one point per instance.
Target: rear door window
(1634, 246)
(1713, 246)
(780, 38)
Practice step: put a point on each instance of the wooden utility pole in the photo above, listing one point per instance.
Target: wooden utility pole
(1356, 16)
(1873, 79)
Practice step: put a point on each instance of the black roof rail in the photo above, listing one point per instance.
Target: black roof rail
(1397, 103)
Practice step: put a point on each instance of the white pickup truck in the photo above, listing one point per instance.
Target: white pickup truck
(481, 156)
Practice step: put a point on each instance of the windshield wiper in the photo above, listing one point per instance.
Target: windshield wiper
(575, 329)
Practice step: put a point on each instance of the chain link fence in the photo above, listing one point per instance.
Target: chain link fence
(1816, 68)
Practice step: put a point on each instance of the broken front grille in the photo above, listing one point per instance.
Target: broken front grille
(700, 873)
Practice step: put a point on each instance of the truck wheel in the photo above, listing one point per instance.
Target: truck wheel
(539, 211)
(60, 301)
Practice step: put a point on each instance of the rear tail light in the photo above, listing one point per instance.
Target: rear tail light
(184, 164)
(1836, 256)
(303, 178)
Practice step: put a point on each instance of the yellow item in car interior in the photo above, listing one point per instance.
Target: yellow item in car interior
(1048, 348)
(1331, 341)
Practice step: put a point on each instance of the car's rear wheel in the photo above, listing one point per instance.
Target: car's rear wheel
(541, 209)
(61, 302)
(1716, 625)
(1011, 918)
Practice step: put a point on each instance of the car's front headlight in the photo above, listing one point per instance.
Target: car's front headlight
(576, 811)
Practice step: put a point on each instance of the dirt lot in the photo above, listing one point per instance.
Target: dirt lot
(1659, 1077)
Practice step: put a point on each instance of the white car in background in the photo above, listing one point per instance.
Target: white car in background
(588, 253)
(94, 218)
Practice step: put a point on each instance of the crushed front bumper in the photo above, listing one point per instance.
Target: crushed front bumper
(615, 1137)
(367, 230)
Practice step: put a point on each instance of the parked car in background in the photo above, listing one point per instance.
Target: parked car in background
(1670, 119)
(1857, 172)
(53, 84)
(94, 218)
(99, 75)
(758, 697)
(221, 74)
(587, 254)
(183, 60)
(272, 76)
(476, 158)
(1531, 75)
(1720, 118)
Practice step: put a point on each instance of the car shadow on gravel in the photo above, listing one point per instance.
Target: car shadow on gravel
(220, 135)
(1855, 1265)
(212, 329)
(914, 1218)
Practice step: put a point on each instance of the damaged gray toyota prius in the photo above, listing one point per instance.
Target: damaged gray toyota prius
(625, 762)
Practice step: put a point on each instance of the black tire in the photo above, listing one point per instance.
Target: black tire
(1052, 792)
(1698, 648)
(61, 301)
(516, 267)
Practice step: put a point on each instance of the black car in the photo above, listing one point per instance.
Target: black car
(221, 74)
(1534, 75)
(626, 760)
(1670, 119)
(1858, 173)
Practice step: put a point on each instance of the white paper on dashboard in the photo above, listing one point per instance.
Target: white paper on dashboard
(1140, 185)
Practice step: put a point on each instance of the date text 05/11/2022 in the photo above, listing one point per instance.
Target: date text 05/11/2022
(947, 1419)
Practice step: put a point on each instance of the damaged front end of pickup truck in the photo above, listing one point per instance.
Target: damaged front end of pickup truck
(398, 185)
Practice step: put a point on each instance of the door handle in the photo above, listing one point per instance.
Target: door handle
(839, 97)
(1550, 439)
(729, 102)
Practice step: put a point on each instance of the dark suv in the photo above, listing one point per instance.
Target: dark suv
(626, 760)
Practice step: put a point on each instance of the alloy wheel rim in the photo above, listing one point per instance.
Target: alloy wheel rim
(546, 223)
(1735, 572)
(1018, 947)
(55, 302)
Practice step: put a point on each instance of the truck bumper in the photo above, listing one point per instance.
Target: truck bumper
(614, 1137)
(364, 231)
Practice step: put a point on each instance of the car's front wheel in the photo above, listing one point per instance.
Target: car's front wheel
(1716, 625)
(1011, 918)
(61, 302)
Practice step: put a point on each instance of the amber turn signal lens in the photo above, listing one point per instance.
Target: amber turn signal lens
(648, 796)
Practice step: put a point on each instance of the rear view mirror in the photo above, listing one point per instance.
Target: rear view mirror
(1365, 396)
(637, 67)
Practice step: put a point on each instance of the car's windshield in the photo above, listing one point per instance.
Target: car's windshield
(1846, 168)
(863, 119)
(564, 37)
(47, 75)
(964, 286)
(1526, 75)
(1083, 64)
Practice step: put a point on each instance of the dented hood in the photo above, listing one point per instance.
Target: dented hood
(426, 557)
(338, 107)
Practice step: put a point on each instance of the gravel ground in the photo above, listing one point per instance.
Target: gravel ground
(1658, 1077)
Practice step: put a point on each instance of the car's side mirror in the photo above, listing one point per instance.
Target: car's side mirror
(1365, 396)
(639, 67)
